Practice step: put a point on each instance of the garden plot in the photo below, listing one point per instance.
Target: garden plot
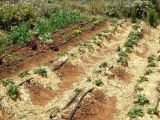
(108, 63)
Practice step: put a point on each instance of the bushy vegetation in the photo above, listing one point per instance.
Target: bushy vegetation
(135, 112)
(41, 71)
(20, 34)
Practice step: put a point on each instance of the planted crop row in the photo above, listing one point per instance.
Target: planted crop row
(132, 41)
(140, 99)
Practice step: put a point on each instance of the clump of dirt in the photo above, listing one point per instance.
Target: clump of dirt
(142, 52)
(121, 73)
(39, 95)
(96, 107)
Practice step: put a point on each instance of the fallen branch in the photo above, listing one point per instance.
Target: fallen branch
(59, 64)
(78, 104)
(71, 101)
(27, 80)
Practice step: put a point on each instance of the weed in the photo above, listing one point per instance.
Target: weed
(135, 112)
(152, 64)
(41, 71)
(98, 82)
(78, 90)
(142, 79)
(141, 99)
(103, 65)
(123, 58)
(23, 74)
(148, 72)
(62, 53)
(137, 88)
(152, 111)
(151, 58)
(76, 32)
(7, 81)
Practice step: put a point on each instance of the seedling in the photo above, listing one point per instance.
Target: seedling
(152, 111)
(62, 53)
(103, 65)
(142, 79)
(148, 72)
(13, 91)
(152, 64)
(78, 90)
(41, 71)
(24, 74)
(141, 99)
(7, 81)
(98, 82)
(135, 112)
(76, 32)
(137, 88)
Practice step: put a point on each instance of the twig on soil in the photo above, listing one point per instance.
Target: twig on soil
(59, 64)
(78, 104)
(27, 80)
(71, 101)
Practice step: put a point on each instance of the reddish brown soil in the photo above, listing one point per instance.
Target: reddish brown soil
(3, 115)
(121, 73)
(39, 95)
(37, 59)
(95, 108)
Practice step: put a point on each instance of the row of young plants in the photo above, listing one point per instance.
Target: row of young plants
(13, 88)
(140, 99)
(132, 40)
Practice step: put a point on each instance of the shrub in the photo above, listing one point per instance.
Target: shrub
(41, 71)
(135, 112)
(15, 14)
(20, 34)
(141, 99)
(153, 18)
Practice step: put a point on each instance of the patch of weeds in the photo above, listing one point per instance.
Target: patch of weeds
(11, 59)
(142, 79)
(74, 55)
(97, 71)
(41, 71)
(98, 83)
(141, 99)
(135, 112)
(137, 88)
(23, 74)
(153, 17)
(7, 81)
(152, 64)
(152, 111)
(123, 58)
(87, 45)
(151, 58)
(78, 90)
(88, 79)
(62, 53)
(148, 72)
(76, 32)
(103, 65)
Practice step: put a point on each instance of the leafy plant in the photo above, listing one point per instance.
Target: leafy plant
(135, 112)
(142, 79)
(137, 88)
(141, 99)
(41, 71)
(148, 72)
(76, 32)
(153, 17)
(13, 91)
(151, 58)
(7, 81)
(20, 34)
(152, 111)
(103, 65)
(152, 64)
(23, 74)
(98, 82)
(123, 58)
